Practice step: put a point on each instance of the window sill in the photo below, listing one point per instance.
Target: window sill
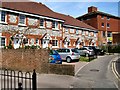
(3, 22)
(22, 25)
(55, 47)
(41, 27)
(55, 29)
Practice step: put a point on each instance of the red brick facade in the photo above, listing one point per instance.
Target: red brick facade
(103, 22)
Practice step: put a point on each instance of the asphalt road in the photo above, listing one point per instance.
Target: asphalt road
(118, 66)
(97, 74)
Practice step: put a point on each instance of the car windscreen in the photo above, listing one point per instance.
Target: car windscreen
(53, 52)
(74, 50)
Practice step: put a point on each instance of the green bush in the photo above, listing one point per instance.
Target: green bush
(32, 47)
(111, 48)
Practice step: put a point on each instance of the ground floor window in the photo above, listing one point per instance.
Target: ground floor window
(2, 41)
(54, 42)
(37, 41)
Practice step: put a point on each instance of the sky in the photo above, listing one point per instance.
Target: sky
(76, 8)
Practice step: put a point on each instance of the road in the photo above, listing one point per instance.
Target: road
(118, 66)
(97, 74)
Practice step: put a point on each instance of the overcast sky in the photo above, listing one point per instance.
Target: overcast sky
(78, 8)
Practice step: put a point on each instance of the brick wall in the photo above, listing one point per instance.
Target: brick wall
(24, 59)
(29, 59)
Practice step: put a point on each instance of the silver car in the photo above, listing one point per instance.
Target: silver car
(68, 54)
(86, 51)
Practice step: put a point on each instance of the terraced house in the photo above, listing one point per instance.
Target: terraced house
(36, 24)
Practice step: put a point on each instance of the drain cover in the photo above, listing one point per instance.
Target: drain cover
(94, 70)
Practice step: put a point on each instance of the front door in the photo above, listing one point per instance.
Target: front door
(45, 43)
(16, 43)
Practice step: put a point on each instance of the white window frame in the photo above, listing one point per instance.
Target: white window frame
(37, 43)
(77, 32)
(56, 46)
(1, 41)
(66, 30)
(55, 25)
(108, 26)
(43, 26)
(110, 34)
(23, 24)
(72, 31)
(102, 25)
(4, 22)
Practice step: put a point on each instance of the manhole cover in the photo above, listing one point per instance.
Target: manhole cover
(94, 70)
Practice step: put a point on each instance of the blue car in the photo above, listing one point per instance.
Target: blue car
(54, 57)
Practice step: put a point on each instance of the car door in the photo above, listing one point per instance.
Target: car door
(63, 54)
(84, 51)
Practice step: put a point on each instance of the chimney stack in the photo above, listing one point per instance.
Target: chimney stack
(92, 9)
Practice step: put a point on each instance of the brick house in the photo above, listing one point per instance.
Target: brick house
(107, 24)
(39, 25)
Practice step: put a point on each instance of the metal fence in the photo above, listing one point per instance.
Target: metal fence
(18, 80)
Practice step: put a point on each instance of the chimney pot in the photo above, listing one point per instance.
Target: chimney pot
(92, 9)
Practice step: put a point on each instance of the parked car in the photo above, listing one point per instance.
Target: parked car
(97, 50)
(86, 51)
(68, 54)
(54, 57)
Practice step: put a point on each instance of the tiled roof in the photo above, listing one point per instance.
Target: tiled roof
(41, 9)
(98, 13)
(69, 20)
(29, 7)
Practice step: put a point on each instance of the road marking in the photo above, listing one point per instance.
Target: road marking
(80, 68)
(114, 69)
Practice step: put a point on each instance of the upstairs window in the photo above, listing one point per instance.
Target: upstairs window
(55, 24)
(77, 31)
(42, 22)
(21, 19)
(102, 24)
(108, 25)
(66, 30)
(102, 17)
(108, 18)
(104, 34)
(3, 16)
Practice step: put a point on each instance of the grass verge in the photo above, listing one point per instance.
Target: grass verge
(85, 59)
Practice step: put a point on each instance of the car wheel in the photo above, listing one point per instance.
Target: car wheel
(68, 59)
(86, 54)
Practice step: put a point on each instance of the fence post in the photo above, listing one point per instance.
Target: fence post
(34, 81)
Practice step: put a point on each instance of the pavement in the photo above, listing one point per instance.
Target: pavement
(59, 81)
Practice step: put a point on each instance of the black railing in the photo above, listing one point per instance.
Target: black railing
(18, 80)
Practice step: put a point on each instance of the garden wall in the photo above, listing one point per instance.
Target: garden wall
(29, 59)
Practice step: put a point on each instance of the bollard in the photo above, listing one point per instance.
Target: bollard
(20, 86)
(34, 81)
